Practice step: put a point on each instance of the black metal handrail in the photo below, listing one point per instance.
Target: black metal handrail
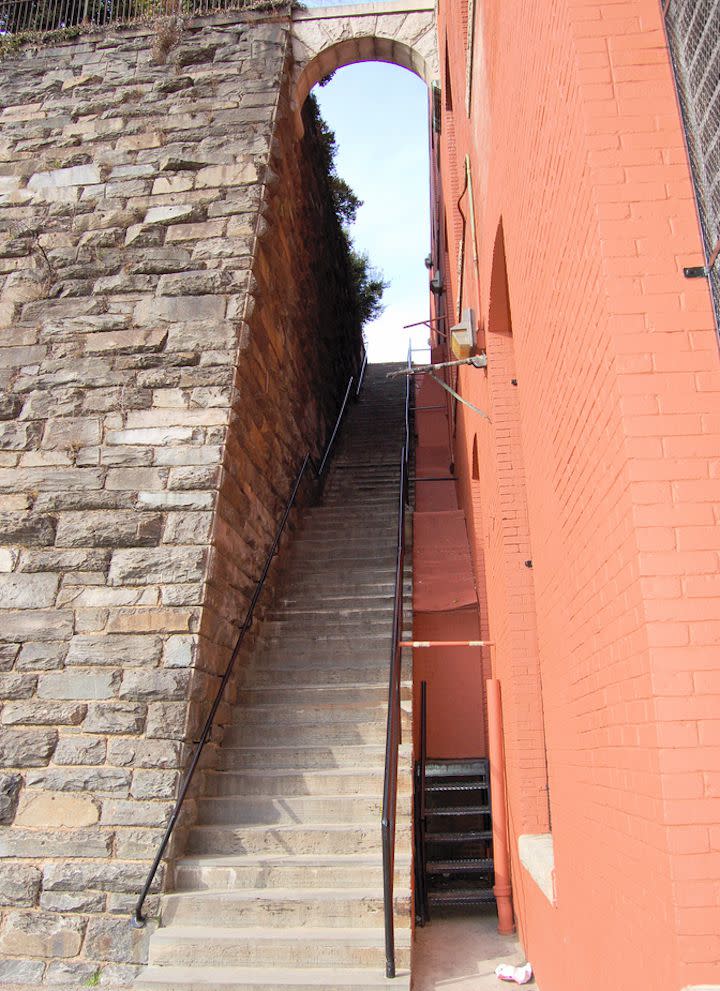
(361, 374)
(138, 919)
(421, 886)
(394, 726)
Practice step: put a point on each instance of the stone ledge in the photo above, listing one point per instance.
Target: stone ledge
(537, 855)
(363, 9)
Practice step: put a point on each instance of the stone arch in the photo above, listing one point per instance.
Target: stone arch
(328, 38)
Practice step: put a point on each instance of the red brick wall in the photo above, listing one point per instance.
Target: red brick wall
(600, 467)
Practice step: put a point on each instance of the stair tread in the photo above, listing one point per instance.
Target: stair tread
(463, 837)
(286, 894)
(457, 897)
(448, 866)
(286, 859)
(366, 935)
(238, 976)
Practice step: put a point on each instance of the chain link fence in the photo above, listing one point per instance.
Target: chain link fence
(693, 31)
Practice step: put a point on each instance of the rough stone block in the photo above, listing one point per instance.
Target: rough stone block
(150, 621)
(132, 479)
(45, 843)
(28, 591)
(50, 810)
(71, 432)
(115, 717)
(241, 174)
(78, 684)
(145, 753)
(179, 309)
(135, 813)
(105, 528)
(137, 566)
(79, 175)
(114, 939)
(118, 975)
(75, 974)
(180, 652)
(41, 934)
(10, 785)
(8, 653)
(153, 436)
(17, 686)
(26, 748)
(37, 624)
(154, 685)
(19, 885)
(26, 529)
(169, 214)
(176, 500)
(64, 901)
(117, 650)
(39, 713)
(41, 657)
(154, 784)
(136, 341)
(105, 780)
(187, 528)
(21, 971)
(82, 750)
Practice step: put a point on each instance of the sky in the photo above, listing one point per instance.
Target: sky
(379, 115)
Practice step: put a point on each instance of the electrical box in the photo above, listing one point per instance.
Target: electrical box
(462, 336)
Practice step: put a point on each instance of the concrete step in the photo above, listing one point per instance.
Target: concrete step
(307, 672)
(312, 838)
(271, 810)
(245, 871)
(287, 653)
(280, 907)
(345, 710)
(324, 695)
(307, 757)
(377, 596)
(268, 979)
(321, 733)
(324, 625)
(304, 947)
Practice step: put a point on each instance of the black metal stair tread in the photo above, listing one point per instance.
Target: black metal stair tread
(459, 866)
(459, 810)
(472, 897)
(460, 786)
(465, 837)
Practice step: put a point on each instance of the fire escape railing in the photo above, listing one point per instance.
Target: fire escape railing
(394, 725)
(308, 463)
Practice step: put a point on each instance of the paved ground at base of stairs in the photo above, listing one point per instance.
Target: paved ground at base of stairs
(453, 953)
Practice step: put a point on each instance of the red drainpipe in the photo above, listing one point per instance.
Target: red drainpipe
(501, 853)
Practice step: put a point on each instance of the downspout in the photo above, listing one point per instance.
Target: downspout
(501, 852)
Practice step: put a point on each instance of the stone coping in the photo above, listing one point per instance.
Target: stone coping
(537, 855)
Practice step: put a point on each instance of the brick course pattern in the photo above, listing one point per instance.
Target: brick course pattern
(172, 340)
(600, 466)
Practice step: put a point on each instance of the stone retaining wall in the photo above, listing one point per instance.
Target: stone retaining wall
(172, 339)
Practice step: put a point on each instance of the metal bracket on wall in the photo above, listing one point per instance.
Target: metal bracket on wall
(703, 271)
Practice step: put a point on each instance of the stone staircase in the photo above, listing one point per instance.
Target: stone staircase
(281, 886)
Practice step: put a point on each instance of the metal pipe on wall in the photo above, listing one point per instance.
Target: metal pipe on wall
(501, 851)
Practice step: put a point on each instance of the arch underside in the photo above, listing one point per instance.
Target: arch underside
(323, 44)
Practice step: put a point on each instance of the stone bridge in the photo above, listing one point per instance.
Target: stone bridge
(327, 38)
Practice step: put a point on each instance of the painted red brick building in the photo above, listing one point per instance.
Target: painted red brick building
(564, 216)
